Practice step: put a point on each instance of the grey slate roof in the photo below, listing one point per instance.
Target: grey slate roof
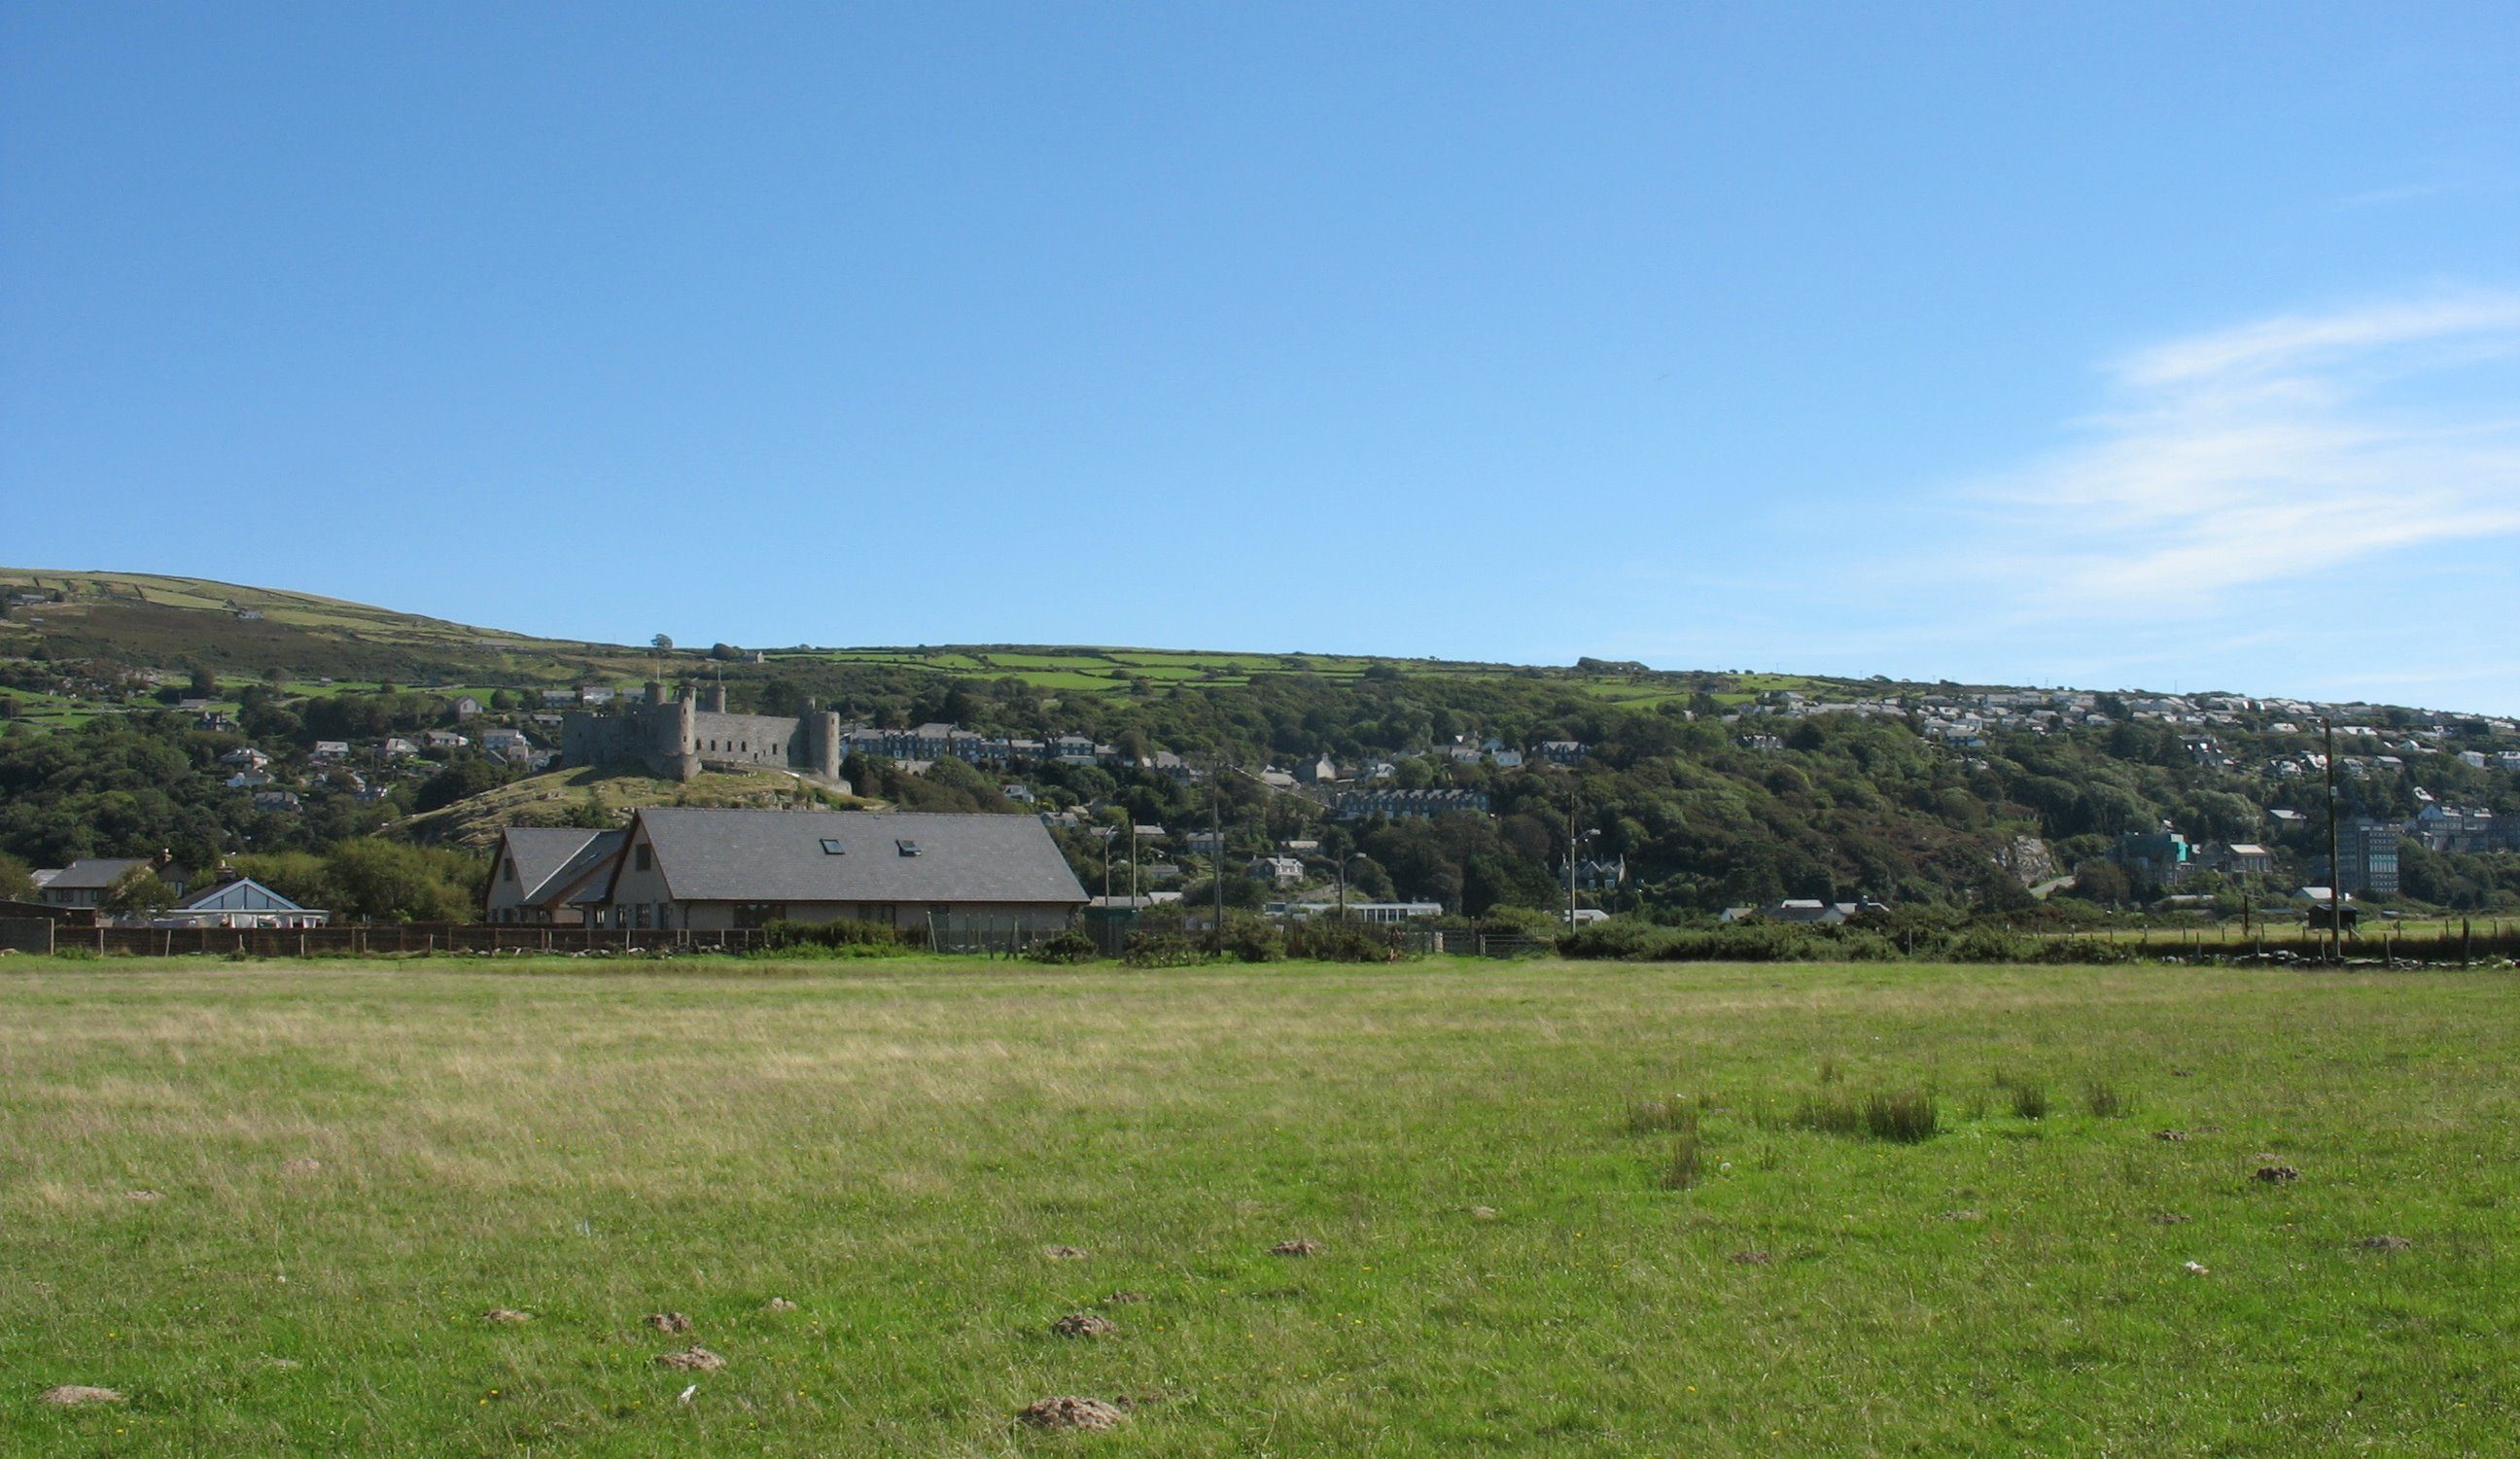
(93, 873)
(778, 855)
(540, 852)
(600, 848)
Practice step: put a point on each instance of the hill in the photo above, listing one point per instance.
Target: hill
(136, 709)
(591, 797)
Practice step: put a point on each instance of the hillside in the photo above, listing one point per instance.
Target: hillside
(140, 620)
(591, 797)
(151, 713)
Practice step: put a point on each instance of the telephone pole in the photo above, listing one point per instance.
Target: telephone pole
(2335, 862)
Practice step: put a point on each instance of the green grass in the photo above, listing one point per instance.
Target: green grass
(1668, 1263)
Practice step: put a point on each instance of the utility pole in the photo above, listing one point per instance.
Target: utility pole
(1216, 838)
(2335, 862)
(1132, 859)
(1570, 863)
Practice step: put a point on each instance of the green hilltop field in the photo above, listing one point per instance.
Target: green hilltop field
(141, 619)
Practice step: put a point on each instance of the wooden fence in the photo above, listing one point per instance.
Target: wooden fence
(387, 939)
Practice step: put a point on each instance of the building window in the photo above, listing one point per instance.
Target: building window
(643, 914)
(759, 913)
(646, 856)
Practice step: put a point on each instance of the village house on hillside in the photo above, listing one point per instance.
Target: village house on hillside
(682, 867)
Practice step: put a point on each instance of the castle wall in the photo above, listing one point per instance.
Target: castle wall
(678, 740)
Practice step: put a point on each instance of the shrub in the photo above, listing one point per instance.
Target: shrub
(846, 932)
(1324, 941)
(1161, 949)
(2029, 1099)
(1069, 947)
(1252, 939)
(2103, 1100)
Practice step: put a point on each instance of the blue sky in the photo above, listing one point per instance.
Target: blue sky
(2135, 345)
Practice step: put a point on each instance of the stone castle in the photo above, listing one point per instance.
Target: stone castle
(677, 740)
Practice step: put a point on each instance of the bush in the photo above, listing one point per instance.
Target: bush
(2103, 1100)
(846, 932)
(1325, 941)
(1069, 947)
(1739, 941)
(1161, 949)
(1252, 939)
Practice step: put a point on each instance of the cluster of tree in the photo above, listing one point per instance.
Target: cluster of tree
(375, 880)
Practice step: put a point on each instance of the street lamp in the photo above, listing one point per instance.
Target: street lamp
(1352, 856)
(1574, 850)
(1103, 834)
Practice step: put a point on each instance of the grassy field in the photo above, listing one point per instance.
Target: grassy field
(1502, 1266)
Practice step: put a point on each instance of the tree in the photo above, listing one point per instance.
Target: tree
(17, 884)
(205, 684)
(661, 643)
(139, 890)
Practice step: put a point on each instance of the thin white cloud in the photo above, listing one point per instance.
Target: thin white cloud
(2275, 450)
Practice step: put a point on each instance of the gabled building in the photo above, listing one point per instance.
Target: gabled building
(87, 881)
(684, 868)
(536, 872)
(237, 901)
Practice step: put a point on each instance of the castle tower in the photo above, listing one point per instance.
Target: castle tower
(677, 730)
(825, 743)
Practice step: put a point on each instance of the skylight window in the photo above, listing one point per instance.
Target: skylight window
(832, 847)
(906, 848)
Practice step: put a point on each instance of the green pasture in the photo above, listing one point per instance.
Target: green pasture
(1555, 1209)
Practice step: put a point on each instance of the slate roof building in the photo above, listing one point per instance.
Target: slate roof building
(536, 870)
(85, 882)
(684, 868)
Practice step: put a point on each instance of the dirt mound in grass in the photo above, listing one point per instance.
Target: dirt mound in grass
(302, 1165)
(1483, 1213)
(1083, 1325)
(667, 1322)
(142, 1195)
(1068, 1412)
(1123, 1299)
(1063, 1254)
(1963, 1215)
(692, 1360)
(1301, 1246)
(507, 1316)
(2169, 1218)
(79, 1395)
(2276, 1175)
(2172, 1136)
(2386, 1244)
(1751, 1259)
(777, 1304)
